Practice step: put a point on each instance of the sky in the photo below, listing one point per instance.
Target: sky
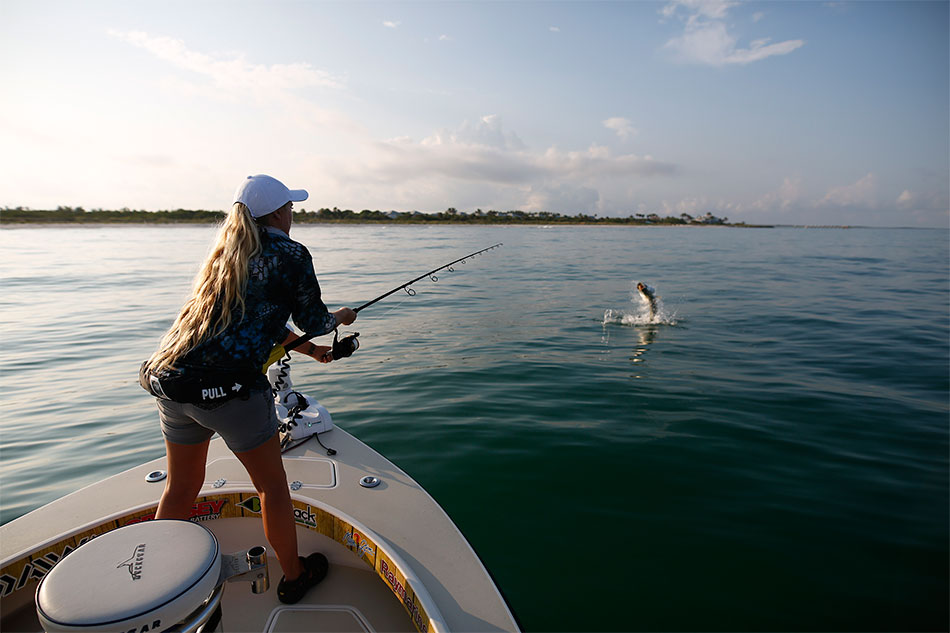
(819, 113)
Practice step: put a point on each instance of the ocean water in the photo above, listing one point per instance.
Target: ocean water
(769, 452)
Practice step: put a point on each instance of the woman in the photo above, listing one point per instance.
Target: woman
(254, 279)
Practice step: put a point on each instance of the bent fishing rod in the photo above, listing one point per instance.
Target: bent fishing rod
(347, 345)
(430, 275)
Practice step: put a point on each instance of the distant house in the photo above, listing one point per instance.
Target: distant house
(392, 215)
(709, 218)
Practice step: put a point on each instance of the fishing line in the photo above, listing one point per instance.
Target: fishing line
(392, 309)
(431, 275)
(345, 347)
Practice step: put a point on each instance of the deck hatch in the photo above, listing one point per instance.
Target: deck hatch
(307, 618)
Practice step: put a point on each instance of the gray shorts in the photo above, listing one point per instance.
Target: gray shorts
(244, 424)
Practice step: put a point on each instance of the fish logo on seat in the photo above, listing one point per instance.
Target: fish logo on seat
(135, 562)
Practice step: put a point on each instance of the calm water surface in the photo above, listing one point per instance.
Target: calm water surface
(771, 452)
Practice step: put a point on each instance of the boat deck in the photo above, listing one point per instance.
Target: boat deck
(397, 562)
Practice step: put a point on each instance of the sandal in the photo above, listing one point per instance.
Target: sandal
(315, 569)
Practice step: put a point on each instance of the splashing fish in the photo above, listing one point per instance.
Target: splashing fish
(650, 309)
(649, 294)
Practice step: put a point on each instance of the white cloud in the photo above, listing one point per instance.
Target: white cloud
(554, 29)
(231, 72)
(493, 164)
(692, 206)
(487, 132)
(444, 38)
(695, 206)
(785, 198)
(390, 24)
(792, 199)
(711, 9)
(925, 207)
(862, 193)
(757, 16)
(598, 161)
(561, 198)
(706, 39)
(623, 127)
(906, 199)
(232, 77)
(485, 163)
(862, 202)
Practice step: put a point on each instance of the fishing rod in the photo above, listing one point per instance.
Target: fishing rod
(348, 344)
(430, 275)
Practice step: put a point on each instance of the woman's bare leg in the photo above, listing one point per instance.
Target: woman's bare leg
(186, 474)
(266, 469)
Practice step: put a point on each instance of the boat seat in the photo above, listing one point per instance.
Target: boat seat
(142, 577)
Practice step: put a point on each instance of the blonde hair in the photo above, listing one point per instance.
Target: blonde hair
(219, 287)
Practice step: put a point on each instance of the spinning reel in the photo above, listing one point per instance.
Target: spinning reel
(344, 347)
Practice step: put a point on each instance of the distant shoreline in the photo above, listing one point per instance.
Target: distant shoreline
(61, 223)
(67, 216)
(79, 216)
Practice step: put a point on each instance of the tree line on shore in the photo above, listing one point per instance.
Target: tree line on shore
(78, 215)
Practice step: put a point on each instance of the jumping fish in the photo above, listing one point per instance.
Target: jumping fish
(649, 293)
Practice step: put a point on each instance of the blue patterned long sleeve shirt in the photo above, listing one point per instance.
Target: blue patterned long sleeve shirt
(281, 284)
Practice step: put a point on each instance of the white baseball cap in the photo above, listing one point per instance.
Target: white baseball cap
(263, 195)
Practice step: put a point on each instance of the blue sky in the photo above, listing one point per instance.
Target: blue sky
(777, 112)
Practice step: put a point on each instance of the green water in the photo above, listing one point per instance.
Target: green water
(770, 454)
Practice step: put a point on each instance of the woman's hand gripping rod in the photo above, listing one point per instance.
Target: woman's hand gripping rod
(344, 347)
